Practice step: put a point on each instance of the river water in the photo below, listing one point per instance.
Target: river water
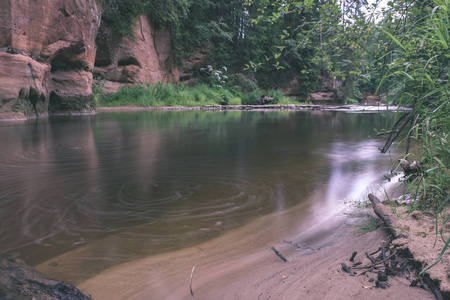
(120, 186)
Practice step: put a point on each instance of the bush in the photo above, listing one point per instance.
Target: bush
(278, 97)
(350, 101)
(171, 95)
(244, 83)
(252, 97)
(235, 101)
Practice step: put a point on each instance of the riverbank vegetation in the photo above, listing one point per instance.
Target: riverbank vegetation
(159, 95)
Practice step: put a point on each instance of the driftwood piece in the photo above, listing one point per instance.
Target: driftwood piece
(264, 100)
(383, 251)
(279, 254)
(347, 269)
(353, 256)
(383, 213)
(433, 287)
(371, 258)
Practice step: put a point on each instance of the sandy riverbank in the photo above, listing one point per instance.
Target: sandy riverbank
(241, 264)
(313, 272)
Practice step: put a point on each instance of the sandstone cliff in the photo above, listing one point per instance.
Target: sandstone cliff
(145, 58)
(48, 53)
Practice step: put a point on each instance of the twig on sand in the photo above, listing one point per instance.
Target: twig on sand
(190, 285)
(279, 254)
(374, 264)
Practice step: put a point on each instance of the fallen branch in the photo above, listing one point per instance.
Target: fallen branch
(433, 287)
(396, 132)
(279, 254)
(382, 212)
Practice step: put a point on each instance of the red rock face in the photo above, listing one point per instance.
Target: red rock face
(48, 49)
(146, 59)
(23, 86)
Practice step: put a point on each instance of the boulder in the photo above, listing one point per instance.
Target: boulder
(322, 96)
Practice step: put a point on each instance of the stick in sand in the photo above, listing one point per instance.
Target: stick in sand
(190, 285)
(279, 254)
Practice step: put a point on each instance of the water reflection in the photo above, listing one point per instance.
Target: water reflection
(149, 182)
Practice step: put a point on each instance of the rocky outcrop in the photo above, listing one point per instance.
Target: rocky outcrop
(19, 281)
(48, 51)
(24, 85)
(47, 54)
(328, 89)
(145, 58)
(199, 59)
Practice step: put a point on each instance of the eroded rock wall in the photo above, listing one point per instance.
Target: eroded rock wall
(48, 51)
(146, 58)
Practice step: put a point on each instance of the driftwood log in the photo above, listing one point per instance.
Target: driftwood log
(385, 215)
(19, 282)
(264, 100)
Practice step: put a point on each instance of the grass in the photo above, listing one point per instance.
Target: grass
(158, 95)
(165, 95)
(359, 211)
(368, 225)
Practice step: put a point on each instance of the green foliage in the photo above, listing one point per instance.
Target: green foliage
(368, 225)
(121, 15)
(278, 97)
(165, 95)
(235, 101)
(252, 97)
(417, 64)
(159, 95)
(213, 77)
(242, 82)
(98, 91)
(350, 101)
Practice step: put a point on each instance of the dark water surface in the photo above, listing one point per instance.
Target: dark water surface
(150, 182)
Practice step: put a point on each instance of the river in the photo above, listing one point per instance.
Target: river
(116, 187)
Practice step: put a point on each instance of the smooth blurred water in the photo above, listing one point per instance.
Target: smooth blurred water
(151, 182)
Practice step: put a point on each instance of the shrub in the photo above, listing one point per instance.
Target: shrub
(350, 101)
(235, 101)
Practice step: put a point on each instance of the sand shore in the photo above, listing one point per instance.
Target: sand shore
(313, 272)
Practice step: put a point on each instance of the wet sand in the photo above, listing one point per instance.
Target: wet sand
(241, 265)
